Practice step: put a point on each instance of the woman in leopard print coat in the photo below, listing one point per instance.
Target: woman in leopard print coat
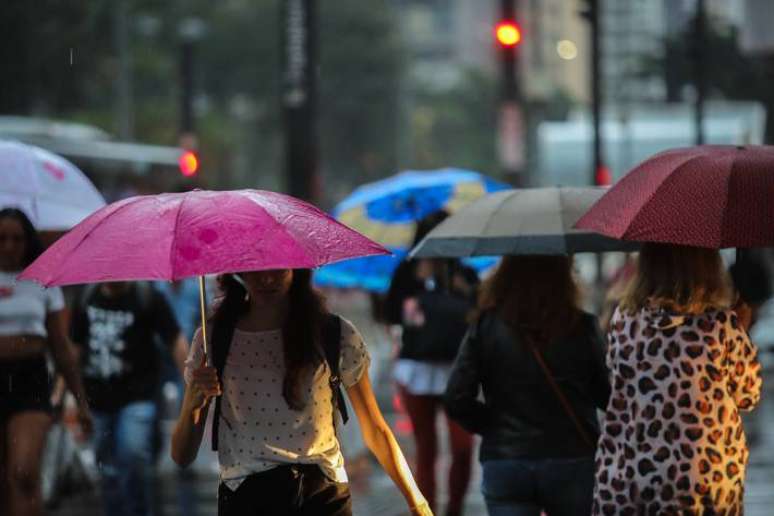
(682, 368)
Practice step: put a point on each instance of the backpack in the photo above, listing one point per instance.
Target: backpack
(331, 343)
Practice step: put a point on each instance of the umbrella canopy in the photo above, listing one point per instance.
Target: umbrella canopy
(712, 196)
(514, 222)
(173, 236)
(387, 211)
(53, 192)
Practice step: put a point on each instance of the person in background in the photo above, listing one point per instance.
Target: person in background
(115, 328)
(276, 385)
(539, 361)
(430, 300)
(31, 325)
(183, 298)
(752, 280)
(682, 369)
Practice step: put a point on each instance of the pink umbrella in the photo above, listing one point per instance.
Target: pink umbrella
(173, 236)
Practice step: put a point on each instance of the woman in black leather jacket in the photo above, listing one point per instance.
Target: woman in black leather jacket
(538, 444)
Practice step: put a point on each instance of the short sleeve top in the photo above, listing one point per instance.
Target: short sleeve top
(259, 431)
(24, 306)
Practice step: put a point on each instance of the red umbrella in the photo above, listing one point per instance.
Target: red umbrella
(712, 196)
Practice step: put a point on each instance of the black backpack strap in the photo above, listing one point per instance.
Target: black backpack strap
(332, 349)
(219, 347)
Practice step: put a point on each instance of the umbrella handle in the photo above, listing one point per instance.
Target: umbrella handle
(203, 308)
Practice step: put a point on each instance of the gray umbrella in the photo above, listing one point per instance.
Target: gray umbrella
(524, 221)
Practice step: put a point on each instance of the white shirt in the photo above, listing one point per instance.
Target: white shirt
(24, 306)
(258, 430)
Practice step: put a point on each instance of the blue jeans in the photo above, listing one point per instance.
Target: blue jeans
(524, 487)
(124, 446)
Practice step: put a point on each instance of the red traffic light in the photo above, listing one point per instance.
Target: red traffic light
(188, 163)
(602, 176)
(508, 33)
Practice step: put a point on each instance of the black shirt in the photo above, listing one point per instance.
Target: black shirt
(118, 337)
(445, 311)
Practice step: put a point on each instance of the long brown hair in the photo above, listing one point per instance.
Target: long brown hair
(301, 330)
(534, 293)
(679, 278)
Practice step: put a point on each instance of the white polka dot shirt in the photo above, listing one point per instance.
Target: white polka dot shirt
(258, 431)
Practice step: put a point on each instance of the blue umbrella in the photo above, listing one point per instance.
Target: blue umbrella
(387, 211)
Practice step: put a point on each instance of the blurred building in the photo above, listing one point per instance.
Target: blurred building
(555, 51)
(565, 146)
(757, 36)
(443, 37)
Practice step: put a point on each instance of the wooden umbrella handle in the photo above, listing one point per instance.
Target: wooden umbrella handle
(203, 308)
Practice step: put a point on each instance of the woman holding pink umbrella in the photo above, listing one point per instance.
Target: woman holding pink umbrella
(279, 358)
(276, 434)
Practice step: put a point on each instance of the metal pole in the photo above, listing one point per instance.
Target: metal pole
(596, 88)
(299, 97)
(511, 114)
(700, 78)
(124, 119)
(186, 88)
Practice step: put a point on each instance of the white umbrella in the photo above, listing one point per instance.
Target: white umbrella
(53, 192)
(514, 222)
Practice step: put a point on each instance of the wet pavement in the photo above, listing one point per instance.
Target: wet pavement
(193, 492)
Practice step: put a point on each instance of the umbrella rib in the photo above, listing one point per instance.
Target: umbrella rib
(724, 213)
(87, 235)
(668, 180)
(495, 211)
(173, 245)
(285, 230)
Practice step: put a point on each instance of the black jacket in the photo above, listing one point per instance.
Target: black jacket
(521, 416)
(438, 339)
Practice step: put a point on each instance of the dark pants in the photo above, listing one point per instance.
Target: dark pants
(124, 446)
(422, 411)
(525, 487)
(298, 490)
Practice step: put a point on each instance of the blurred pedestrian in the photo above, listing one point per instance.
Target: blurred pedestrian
(183, 298)
(683, 368)
(539, 360)
(32, 324)
(752, 281)
(115, 327)
(279, 360)
(430, 299)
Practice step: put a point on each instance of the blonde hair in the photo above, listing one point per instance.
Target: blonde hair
(679, 278)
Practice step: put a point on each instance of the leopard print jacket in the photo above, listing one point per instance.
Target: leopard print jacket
(672, 440)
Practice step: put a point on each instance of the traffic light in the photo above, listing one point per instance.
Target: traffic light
(507, 34)
(188, 163)
(602, 176)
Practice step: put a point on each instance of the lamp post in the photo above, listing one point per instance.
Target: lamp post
(299, 97)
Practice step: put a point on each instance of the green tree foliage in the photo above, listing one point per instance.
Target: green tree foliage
(237, 77)
(456, 127)
(730, 73)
